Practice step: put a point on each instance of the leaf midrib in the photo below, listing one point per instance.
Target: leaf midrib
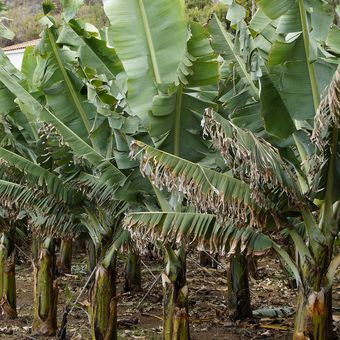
(238, 59)
(149, 41)
(67, 81)
(177, 125)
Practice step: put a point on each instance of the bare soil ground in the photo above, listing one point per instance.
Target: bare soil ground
(208, 305)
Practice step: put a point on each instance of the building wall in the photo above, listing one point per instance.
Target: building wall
(16, 57)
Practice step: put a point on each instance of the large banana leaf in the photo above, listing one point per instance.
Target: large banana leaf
(277, 122)
(175, 123)
(239, 92)
(13, 81)
(175, 117)
(150, 39)
(203, 69)
(63, 89)
(22, 116)
(295, 62)
(275, 8)
(203, 229)
(288, 71)
(206, 189)
(333, 40)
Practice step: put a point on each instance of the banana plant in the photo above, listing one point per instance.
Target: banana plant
(7, 265)
(264, 171)
(301, 50)
(45, 198)
(69, 111)
(174, 94)
(295, 42)
(64, 260)
(52, 181)
(177, 109)
(48, 218)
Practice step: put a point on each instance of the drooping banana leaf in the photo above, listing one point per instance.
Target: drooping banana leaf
(47, 216)
(252, 158)
(97, 228)
(94, 188)
(38, 175)
(109, 173)
(203, 229)
(206, 189)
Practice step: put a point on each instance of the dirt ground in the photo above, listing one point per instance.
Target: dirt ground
(208, 305)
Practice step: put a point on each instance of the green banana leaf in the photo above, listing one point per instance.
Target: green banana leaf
(176, 115)
(150, 40)
(93, 51)
(109, 172)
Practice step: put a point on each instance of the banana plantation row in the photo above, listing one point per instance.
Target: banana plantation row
(158, 131)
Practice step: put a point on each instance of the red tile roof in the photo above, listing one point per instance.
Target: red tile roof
(21, 45)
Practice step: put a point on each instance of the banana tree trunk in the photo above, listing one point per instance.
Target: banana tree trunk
(7, 276)
(132, 273)
(35, 248)
(214, 264)
(205, 259)
(92, 255)
(252, 266)
(238, 288)
(103, 300)
(313, 320)
(45, 291)
(208, 261)
(64, 261)
(175, 301)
